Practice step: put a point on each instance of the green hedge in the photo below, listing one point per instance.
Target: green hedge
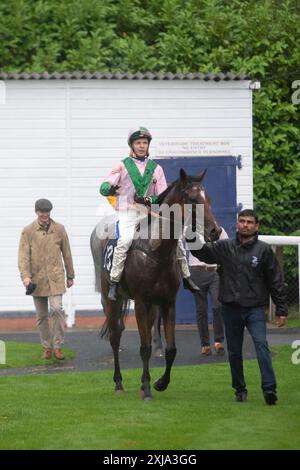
(261, 38)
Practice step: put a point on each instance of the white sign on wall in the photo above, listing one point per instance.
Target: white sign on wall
(193, 148)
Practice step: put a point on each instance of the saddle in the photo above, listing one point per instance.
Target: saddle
(112, 231)
(110, 247)
(108, 254)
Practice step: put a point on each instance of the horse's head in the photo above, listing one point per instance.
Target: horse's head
(195, 194)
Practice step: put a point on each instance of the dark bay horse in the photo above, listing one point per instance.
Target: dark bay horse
(151, 278)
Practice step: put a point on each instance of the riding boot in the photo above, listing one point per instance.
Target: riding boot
(112, 294)
(189, 284)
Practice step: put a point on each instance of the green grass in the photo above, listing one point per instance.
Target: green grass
(28, 355)
(293, 317)
(81, 411)
(293, 323)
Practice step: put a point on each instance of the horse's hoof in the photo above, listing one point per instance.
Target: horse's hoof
(160, 386)
(119, 390)
(144, 397)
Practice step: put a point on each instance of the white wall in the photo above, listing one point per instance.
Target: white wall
(59, 138)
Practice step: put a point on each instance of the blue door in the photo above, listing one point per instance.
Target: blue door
(220, 183)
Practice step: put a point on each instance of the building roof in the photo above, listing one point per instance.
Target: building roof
(124, 76)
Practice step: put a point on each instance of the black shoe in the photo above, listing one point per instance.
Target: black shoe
(270, 397)
(241, 396)
(189, 284)
(112, 294)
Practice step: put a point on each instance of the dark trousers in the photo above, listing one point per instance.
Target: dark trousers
(208, 282)
(236, 318)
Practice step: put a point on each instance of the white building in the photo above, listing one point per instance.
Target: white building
(60, 134)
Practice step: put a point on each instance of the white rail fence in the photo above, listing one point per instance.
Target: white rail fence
(277, 240)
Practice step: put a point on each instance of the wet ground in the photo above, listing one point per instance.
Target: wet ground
(93, 353)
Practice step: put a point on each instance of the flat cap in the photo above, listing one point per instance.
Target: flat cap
(43, 205)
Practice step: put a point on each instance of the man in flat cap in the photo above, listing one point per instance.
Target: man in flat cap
(46, 268)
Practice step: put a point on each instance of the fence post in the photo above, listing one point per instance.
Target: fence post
(271, 304)
(283, 240)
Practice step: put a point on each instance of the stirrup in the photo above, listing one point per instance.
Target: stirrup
(112, 293)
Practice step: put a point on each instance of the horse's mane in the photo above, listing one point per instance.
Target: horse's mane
(189, 180)
(164, 194)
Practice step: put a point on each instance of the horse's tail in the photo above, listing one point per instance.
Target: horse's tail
(96, 250)
(123, 310)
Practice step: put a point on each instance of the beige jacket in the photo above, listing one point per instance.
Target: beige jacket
(41, 256)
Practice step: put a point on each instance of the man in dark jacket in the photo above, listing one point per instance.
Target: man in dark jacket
(249, 273)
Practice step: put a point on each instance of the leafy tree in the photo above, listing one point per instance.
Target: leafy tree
(260, 38)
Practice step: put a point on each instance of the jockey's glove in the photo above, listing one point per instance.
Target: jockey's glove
(142, 200)
(112, 190)
(107, 189)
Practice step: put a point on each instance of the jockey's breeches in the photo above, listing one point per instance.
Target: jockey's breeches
(127, 221)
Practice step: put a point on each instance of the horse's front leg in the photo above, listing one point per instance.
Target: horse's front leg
(145, 318)
(169, 326)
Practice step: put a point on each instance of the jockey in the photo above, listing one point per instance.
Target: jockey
(136, 179)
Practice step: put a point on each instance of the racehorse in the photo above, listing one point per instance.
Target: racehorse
(151, 278)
